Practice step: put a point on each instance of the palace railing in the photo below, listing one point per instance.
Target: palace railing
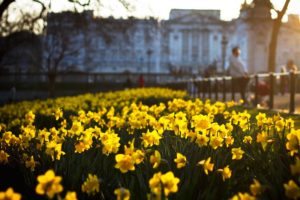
(222, 88)
(215, 88)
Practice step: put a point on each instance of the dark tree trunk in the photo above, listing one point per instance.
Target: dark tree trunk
(52, 80)
(275, 32)
(273, 45)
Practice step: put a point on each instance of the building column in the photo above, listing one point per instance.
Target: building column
(205, 47)
(157, 50)
(200, 48)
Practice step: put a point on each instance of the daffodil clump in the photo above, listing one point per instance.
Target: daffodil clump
(148, 144)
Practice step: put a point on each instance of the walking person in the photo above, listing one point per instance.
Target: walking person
(284, 79)
(238, 72)
(13, 92)
(291, 67)
(141, 81)
(128, 83)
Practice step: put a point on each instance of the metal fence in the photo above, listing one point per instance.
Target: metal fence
(215, 88)
(222, 88)
(151, 78)
(74, 83)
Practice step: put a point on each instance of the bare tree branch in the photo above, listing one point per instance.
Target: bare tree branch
(42, 12)
(83, 4)
(283, 10)
(126, 4)
(3, 6)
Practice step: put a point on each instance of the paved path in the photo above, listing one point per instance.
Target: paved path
(282, 102)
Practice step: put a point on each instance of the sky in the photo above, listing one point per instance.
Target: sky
(161, 8)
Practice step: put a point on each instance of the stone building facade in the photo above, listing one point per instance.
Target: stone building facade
(189, 41)
(105, 45)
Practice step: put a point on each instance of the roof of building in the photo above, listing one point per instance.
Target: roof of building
(175, 13)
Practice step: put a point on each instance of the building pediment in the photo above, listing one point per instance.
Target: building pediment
(195, 19)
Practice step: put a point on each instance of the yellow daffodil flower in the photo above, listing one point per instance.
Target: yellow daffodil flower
(237, 153)
(122, 194)
(91, 185)
(295, 168)
(292, 190)
(180, 160)
(124, 163)
(9, 194)
(226, 172)
(71, 196)
(207, 166)
(49, 184)
(155, 159)
(256, 188)
(3, 157)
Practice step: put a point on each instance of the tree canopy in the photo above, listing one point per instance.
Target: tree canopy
(14, 16)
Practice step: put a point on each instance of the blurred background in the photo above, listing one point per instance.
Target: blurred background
(65, 47)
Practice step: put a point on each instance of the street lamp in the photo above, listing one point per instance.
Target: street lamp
(224, 43)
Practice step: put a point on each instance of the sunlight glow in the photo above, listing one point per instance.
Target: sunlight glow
(161, 8)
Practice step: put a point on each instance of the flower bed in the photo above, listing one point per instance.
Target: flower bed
(146, 144)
